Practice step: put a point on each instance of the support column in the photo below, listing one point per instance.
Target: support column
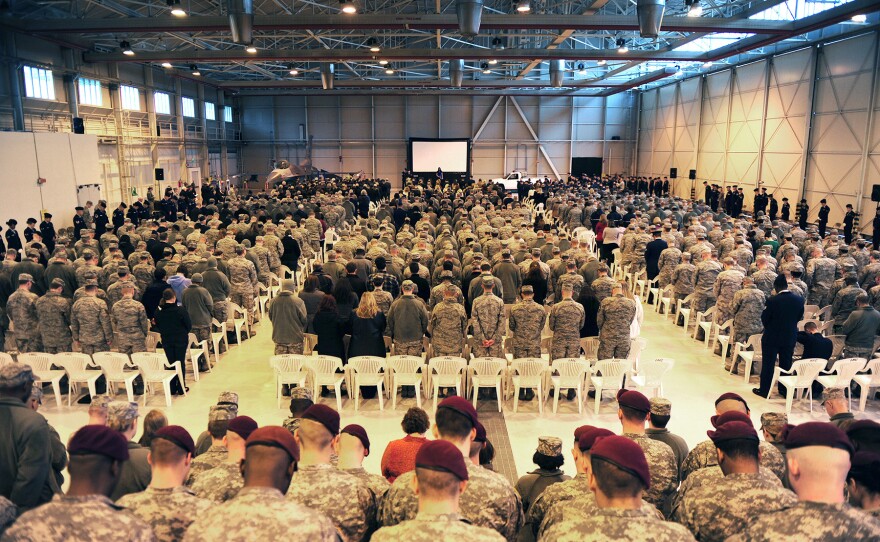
(121, 159)
(224, 147)
(605, 148)
(676, 105)
(808, 125)
(153, 124)
(703, 83)
(204, 163)
(731, 83)
(768, 70)
(636, 126)
(181, 130)
(14, 83)
(70, 82)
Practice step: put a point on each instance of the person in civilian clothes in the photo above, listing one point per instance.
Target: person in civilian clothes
(174, 325)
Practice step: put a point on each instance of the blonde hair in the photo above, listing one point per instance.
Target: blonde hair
(367, 307)
(627, 292)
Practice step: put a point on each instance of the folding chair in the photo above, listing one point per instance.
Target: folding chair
(406, 371)
(841, 374)
(568, 374)
(80, 369)
(324, 370)
(870, 379)
(289, 370)
(41, 364)
(748, 356)
(367, 371)
(487, 373)
(155, 369)
(528, 373)
(608, 375)
(650, 375)
(800, 377)
(446, 372)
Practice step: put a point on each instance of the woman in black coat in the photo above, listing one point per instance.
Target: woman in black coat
(290, 258)
(328, 329)
(174, 325)
(590, 303)
(346, 300)
(367, 335)
(535, 279)
(312, 297)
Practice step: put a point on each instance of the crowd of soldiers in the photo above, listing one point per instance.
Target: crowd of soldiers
(483, 256)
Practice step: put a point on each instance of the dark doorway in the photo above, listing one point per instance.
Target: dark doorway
(586, 165)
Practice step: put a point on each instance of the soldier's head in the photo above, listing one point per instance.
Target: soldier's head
(171, 452)
(25, 281)
(122, 416)
(127, 290)
(736, 444)
(96, 453)
(685, 257)
(851, 279)
(354, 446)
(818, 456)
(456, 422)
(862, 482)
(618, 469)
(318, 433)
(272, 456)
(441, 473)
(772, 424)
(661, 412)
(834, 401)
(728, 262)
(568, 290)
(16, 380)
(730, 402)
(633, 410)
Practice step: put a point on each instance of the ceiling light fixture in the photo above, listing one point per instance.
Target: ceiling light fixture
(251, 49)
(389, 71)
(374, 45)
(860, 18)
(485, 67)
(621, 46)
(493, 62)
(695, 9)
(497, 44)
(523, 6)
(126, 48)
(195, 70)
(601, 62)
(167, 65)
(383, 62)
(707, 65)
(294, 71)
(176, 9)
(581, 68)
(347, 6)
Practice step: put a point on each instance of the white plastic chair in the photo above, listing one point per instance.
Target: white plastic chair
(636, 347)
(197, 349)
(80, 369)
(800, 377)
(684, 312)
(666, 302)
(152, 341)
(748, 356)
(262, 299)
(446, 372)
(650, 375)
(842, 374)
(590, 348)
(569, 374)
(289, 370)
(811, 311)
(367, 371)
(41, 365)
(155, 369)
(487, 373)
(406, 371)
(5, 359)
(824, 313)
(238, 317)
(870, 379)
(704, 321)
(612, 373)
(723, 340)
(324, 374)
(218, 335)
(528, 373)
(113, 364)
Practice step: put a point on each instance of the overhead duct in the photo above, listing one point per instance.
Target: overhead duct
(327, 70)
(241, 21)
(650, 13)
(557, 72)
(456, 73)
(469, 13)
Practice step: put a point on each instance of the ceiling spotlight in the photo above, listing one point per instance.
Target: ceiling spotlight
(374, 45)
(251, 49)
(383, 62)
(601, 62)
(195, 70)
(389, 71)
(126, 48)
(485, 67)
(523, 6)
(167, 65)
(695, 9)
(347, 6)
(294, 71)
(497, 44)
(860, 18)
(176, 9)
(707, 65)
(621, 46)
(493, 62)
(581, 68)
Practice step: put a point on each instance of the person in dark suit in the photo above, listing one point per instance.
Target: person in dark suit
(780, 318)
(786, 210)
(848, 222)
(774, 207)
(803, 213)
(824, 211)
(652, 254)
(815, 346)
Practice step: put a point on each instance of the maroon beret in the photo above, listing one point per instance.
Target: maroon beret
(580, 431)
(177, 435)
(100, 440)
(481, 433)
(865, 465)
(442, 455)
(625, 454)
(588, 438)
(242, 426)
(816, 434)
(634, 400)
(359, 432)
(733, 430)
(462, 406)
(863, 425)
(277, 437)
(731, 395)
(729, 416)
(325, 416)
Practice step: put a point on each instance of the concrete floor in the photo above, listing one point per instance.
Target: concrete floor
(693, 384)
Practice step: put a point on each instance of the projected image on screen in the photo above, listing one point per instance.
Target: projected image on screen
(450, 156)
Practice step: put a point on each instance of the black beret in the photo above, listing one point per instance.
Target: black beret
(443, 456)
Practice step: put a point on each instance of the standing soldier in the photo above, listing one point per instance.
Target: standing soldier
(764, 277)
(114, 291)
(683, 277)
(669, 260)
(198, 303)
(727, 283)
(261, 253)
(90, 322)
(824, 211)
(566, 321)
(287, 312)
(130, 322)
(243, 279)
(22, 311)
(571, 278)
(53, 310)
(640, 244)
(820, 274)
(615, 317)
(315, 229)
(526, 322)
(448, 323)
(488, 321)
(603, 285)
(704, 283)
(748, 304)
(227, 247)
(219, 287)
(407, 322)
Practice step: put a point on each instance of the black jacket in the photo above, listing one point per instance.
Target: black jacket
(152, 296)
(290, 258)
(329, 331)
(780, 318)
(367, 336)
(652, 257)
(815, 345)
(173, 323)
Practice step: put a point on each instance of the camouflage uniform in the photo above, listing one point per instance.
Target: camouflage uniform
(705, 455)
(53, 310)
(764, 279)
(90, 323)
(22, 311)
(143, 275)
(169, 511)
(114, 292)
(347, 501)
(448, 328)
(130, 323)
(488, 320)
(260, 513)
(431, 527)
(566, 320)
(748, 304)
(219, 484)
(87, 518)
(619, 525)
(377, 484)
(683, 280)
(243, 279)
(704, 285)
(663, 469)
(726, 285)
(845, 303)
(555, 495)
(669, 260)
(580, 508)
(713, 512)
(226, 248)
(812, 521)
(819, 276)
(526, 322)
(615, 318)
(488, 501)
(603, 287)
(575, 280)
(216, 455)
(8, 513)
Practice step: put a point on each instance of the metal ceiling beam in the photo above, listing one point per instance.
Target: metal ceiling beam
(443, 91)
(412, 84)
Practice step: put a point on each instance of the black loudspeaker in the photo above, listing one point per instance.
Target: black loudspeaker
(673, 173)
(79, 126)
(615, 138)
(160, 174)
(158, 131)
(692, 175)
(875, 193)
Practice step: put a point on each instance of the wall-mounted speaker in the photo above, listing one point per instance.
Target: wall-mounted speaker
(875, 193)
(692, 175)
(673, 172)
(160, 174)
(79, 127)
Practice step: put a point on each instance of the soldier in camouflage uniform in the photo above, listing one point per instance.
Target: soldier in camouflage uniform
(727, 284)
(226, 246)
(224, 481)
(845, 300)
(261, 253)
(90, 322)
(143, 272)
(822, 454)
(612, 460)
(603, 285)
(683, 277)
(243, 280)
(260, 511)
(820, 274)
(346, 500)
(704, 283)
(354, 447)
(218, 425)
(616, 314)
(488, 321)
(566, 320)
(130, 323)
(571, 279)
(437, 292)
(669, 260)
(171, 508)
(640, 244)
(714, 511)
(526, 323)
(448, 324)
(764, 277)
(53, 310)
(748, 304)
(21, 308)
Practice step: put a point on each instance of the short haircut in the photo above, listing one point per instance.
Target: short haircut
(633, 414)
(314, 435)
(451, 423)
(739, 448)
(165, 452)
(812, 326)
(433, 483)
(660, 421)
(415, 421)
(299, 406)
(614, 481)
(218, 428)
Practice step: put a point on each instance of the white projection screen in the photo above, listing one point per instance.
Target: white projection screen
(450, 155)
